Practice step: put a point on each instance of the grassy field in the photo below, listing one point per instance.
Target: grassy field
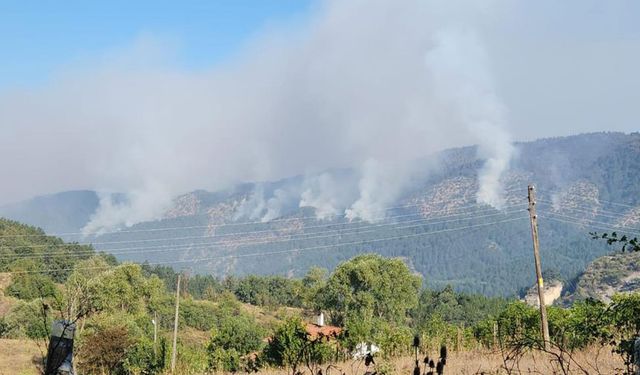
(17, 357)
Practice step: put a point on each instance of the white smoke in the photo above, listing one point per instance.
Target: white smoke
(252, 207)
(264, 206)
(380, 185)
(374, 84)
(328, 195)
(138, 205)
(460, 67)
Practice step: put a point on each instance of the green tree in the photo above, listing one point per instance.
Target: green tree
(286, 347)
(240, 333)
(624, 313)
(385, 287)
(313, 283)
(28, 286)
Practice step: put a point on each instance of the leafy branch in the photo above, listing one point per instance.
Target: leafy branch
(628, 243)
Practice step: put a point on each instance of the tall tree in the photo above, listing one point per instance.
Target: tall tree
(384, 287)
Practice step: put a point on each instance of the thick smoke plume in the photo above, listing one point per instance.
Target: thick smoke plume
(367, 84)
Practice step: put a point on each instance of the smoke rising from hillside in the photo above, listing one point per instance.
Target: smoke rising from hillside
(365, 84)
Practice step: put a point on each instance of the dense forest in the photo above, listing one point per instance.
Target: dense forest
(243, 324)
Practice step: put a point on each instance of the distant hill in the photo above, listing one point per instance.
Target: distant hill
(24, 248)
(56, 213)
(584, 182)
(608, 275)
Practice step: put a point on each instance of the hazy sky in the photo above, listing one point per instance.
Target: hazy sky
(40, 37)
(160, 97)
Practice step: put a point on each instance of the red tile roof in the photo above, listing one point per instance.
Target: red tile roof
(314, 331)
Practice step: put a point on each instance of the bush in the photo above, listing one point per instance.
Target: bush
(28, 319)
(226, 360)
(31, 286)
(239, 333)
(116, 344)
(287, 344)
(291, 347)
(4, 327)
(202, 315)
(105, 350)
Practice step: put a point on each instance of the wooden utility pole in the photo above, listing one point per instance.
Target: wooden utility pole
(544, 328)
(175, 328)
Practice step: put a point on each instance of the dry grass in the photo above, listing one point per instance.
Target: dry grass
(17, 357)
(270, 317)
(483, 362)
(5, 280)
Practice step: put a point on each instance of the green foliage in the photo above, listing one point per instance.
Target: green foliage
(240, 333)
(23, 248)
(28, 286)
(625, 242)
(118, 289)
(392, 340)
(625, 317)
(291, 347)
(312, 284)
(436, 332)
(28, 319)
(141, 358)
(117, 343)
(456, 308)
(383, 287)
(4, 327)
(518, 320)
(269, 291)
(287, 345)
(224, 359)
(202, 315)
(192, 359)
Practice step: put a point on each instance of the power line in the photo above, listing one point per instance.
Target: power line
(588, 208)
(235, 234)
(210, 246)
(576, 222)
(593, 221)
(235, 256)
(595, 213)
(256, 222)
(597, 199)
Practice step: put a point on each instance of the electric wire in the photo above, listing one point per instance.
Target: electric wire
(250, 242)
(256, 222)
(297, 250)
(236, 234)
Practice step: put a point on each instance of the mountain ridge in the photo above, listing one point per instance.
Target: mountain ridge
(441, 229)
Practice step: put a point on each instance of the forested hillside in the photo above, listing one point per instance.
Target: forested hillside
(584, 183)
(268, 323)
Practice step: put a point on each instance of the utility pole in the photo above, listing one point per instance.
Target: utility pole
(175, 328)
(544, 328)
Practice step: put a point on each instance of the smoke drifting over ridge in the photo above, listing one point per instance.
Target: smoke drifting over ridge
(367, 84)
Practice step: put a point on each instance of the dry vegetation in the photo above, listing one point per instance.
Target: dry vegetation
(17, 357)
(482, 362)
